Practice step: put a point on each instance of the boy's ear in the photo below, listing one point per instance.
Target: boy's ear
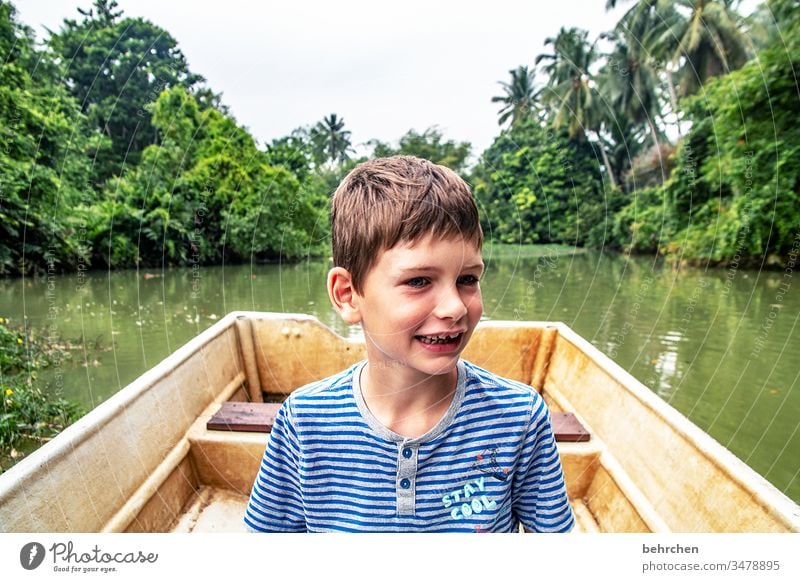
(343, 297)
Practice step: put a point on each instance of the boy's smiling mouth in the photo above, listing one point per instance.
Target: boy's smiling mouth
(451, 338)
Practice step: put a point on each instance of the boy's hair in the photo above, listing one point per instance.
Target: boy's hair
(386, 201)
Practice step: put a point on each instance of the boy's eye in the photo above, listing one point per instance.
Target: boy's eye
(468, 280)
(417, 282)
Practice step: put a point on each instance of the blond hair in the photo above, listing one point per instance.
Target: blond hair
(399, 199)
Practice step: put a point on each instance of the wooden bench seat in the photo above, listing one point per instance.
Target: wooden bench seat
(260, 416)
(568, 429)
(245, 416)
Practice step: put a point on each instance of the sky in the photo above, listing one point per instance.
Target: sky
(385, 67)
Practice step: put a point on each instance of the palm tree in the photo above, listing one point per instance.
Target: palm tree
(568, 91)
(625, 144)
(330, 141)
(571, 93)
(629, 83)
(641, 27)
(699, 39)
(709, 40)
(519, 100)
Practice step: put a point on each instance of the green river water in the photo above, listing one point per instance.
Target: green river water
(720, 345)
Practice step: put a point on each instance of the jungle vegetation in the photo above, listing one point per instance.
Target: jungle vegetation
(670, 134)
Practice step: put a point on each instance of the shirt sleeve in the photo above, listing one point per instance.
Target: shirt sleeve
(539, 497)
(276, 503)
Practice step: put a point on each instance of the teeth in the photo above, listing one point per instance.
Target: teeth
(437, 339)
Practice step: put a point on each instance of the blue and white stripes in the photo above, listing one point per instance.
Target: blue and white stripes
(489, 463)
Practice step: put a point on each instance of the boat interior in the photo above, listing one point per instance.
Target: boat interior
(146, 460)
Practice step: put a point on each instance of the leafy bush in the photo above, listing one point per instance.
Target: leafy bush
(26, 411)
(734, 193)
(537, 186)
(44, 164)
(206, 194)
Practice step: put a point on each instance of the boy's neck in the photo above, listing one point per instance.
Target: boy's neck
(407, 406)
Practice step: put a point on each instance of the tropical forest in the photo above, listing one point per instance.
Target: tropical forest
(674, 139)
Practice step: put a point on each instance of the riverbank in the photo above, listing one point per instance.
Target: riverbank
(30, 415)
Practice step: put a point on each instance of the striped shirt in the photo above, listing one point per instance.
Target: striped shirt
(490, 463)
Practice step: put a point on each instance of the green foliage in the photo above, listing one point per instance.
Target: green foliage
(271, 218)
(26, 410)
(12, 350)
(292, 153)
(703, 36)
(537, 186)
(151, 172)
(114, 154)
(207, 194)
(429, 145)
(628, 84)
(640, 225)
(330, 142)
(44, 165)
(519, 98)
(115, 67)
(569, 95)
(734, 194)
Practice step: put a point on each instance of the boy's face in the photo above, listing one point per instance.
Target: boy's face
(415, 295)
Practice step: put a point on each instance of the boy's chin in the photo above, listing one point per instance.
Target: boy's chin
(443, 365)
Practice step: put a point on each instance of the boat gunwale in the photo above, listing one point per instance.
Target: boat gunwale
(774, 502)
(63, 444)
(85, 427)
(767, 495)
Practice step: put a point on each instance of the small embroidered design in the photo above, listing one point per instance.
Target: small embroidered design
(490, 466)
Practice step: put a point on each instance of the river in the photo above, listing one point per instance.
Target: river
(720, 345)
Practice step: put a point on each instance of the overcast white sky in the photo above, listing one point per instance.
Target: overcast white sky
(384, 67)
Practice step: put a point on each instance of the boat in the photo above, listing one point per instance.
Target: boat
(150, 460)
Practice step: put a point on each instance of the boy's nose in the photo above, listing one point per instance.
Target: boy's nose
(450, 305)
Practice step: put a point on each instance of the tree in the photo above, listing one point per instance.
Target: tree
(44, 165)
(630, 78)
(293, 153)
(330, 141)
(519, 99)
(701, 38)
(625, 143)
(571, 93)
(535, 185)
(640, 27)
(115, 67)
(430, 145)
(206, 194)
(759, 28)
(691, 40)
(734, 195)
(628, 86)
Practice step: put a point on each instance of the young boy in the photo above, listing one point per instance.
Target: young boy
(413, 439)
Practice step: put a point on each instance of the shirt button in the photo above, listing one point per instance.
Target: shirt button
(405, 483)
(407, 453)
